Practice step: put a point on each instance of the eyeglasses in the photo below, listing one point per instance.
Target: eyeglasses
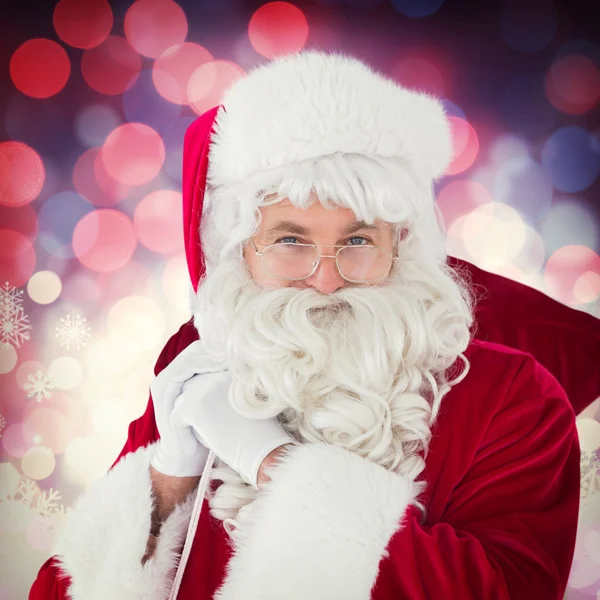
(357, 264)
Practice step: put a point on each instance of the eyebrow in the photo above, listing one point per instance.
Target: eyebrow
(291, 227)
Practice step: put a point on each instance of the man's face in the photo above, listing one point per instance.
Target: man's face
(285, 223)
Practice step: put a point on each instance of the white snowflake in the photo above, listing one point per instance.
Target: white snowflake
(73, 331)
(590, 475)
(14, 324)
(2, 424)
(28, 493)
(38, 386)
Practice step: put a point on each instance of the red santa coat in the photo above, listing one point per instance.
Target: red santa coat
(502, 507)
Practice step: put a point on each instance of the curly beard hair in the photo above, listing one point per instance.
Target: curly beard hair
(364, 368)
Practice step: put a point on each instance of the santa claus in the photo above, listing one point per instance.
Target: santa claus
(326, 427)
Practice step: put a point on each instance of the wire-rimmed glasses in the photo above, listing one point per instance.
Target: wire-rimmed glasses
(357, 264)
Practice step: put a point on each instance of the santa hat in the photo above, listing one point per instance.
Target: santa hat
(324, 121)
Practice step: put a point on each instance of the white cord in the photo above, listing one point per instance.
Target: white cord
(191, 532)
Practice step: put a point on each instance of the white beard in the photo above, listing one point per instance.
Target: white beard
(361, 368)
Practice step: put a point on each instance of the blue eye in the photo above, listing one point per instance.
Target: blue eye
(287, 237)
(285, 240)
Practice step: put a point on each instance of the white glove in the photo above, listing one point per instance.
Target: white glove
(239, 441)
(178, 452)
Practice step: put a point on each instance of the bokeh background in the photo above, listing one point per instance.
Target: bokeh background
(95, 99)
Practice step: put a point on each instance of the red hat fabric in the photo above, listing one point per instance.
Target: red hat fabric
(196, 146)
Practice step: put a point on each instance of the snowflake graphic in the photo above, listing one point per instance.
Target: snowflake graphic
(2, 424)
(41, 502)
(590, 475)
(38, 386)
(73, 331)
(14, 324)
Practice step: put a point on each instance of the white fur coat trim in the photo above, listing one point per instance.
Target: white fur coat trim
(318, 530)
(105, 536)
(312, 104)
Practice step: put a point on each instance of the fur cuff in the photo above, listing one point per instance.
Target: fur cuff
(318, 530)
(105, 536)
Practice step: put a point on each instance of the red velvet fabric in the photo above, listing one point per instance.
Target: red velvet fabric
(502, 495)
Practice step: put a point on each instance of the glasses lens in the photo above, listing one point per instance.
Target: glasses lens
(364, 263)
(290, 261)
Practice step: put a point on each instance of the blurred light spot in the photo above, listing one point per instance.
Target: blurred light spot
(87, 459)
(112, 67)
(17, 258)
(133, 154)
(157, 221)
(104, 240)
(525, 106)
(107, 362)
(172, 71)
(587, 287)
(278, 28)
(571, 156)
(21, 174)
(83, 24)
(47, 427)
(465, 145)
(143, 104)
(523, 184)
(493, 233)
(461, 197)
(453, 110)
(507, 147)
(44, 287)
(419, 73)
(94, 123)
(82, 289)
(564, 270)
(529, 26)
(154, 26)
(22, 219)
(13, 442)
(27, 369)
(8, 358)
(9, 479)
(92, 181)
(173, 140)
(573, 84)
(531, 257)
(175, 283)
(136, 321)
(40, 68)
(417, 8)
(132, 279)
(108, 417)
(65, 372)
(58, 217)
(209, 82)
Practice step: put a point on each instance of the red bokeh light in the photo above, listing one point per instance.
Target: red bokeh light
(22, 219)
(154, 26)
(278, 28)
(172, 71)
(22, 174)
(112, 67)
(17, 258)
(210, 81)
(83, 24)
(40, 68)
(573, 84)
(92, 181)
(104, 240)
(465, 145)
(133, 154)
(157, 221)
(568, 268)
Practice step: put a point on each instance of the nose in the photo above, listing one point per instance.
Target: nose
(326, 279)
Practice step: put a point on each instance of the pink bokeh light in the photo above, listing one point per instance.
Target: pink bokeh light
(17, 258)
(154, 26)
(465, 145)
(209, 82)
(565, 268)
(104, 240)
(157, 221)
(22, 174)
(573, 84)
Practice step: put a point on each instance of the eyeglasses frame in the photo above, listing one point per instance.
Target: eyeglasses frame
(337, 264)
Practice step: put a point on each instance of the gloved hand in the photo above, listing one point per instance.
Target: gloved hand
(239, 441)
(179, 453)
